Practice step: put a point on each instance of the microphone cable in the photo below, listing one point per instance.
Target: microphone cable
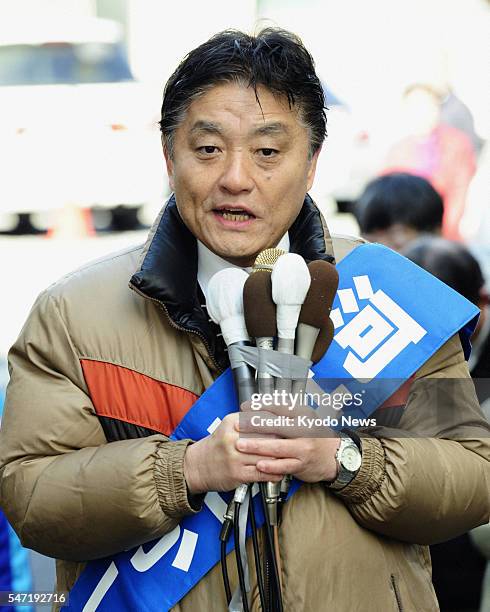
(224, 535)
(224, 572)
(238, 554)
(258, 564)
(272, 577)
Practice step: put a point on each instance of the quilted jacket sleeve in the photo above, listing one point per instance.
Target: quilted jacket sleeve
(429, 479)
(66, 491)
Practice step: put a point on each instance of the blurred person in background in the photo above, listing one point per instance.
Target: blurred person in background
(475, 225)
(455, 113)
(457, 567)
(439, 152)
(397, 208)
(454, 265)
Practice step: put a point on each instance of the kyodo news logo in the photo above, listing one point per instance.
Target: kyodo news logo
(372, 328)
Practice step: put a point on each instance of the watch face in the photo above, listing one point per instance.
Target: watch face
(351, 459)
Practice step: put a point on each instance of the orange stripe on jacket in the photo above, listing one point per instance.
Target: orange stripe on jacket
(129, 396)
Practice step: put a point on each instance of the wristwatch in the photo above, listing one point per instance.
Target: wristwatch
(349, 458)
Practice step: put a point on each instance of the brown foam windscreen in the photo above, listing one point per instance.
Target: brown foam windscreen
(318, 302)
(259, 309)
(323, 341)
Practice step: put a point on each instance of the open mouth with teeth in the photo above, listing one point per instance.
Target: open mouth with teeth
(234, 215)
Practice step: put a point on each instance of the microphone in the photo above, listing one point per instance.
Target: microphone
(314, 318)
(315, 328)
(290, 283)
(266, 260)
(225, 307)
(263, 316)
(260, 318)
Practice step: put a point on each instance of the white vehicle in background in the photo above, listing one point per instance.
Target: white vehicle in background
(76, 130)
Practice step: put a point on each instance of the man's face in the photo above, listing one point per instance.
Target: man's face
(240, 170)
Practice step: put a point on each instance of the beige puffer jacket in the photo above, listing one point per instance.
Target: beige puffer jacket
(100, 376)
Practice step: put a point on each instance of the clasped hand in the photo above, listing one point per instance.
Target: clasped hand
(256, 446)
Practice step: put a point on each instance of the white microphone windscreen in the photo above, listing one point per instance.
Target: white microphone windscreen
(225, 303)
(291, 280)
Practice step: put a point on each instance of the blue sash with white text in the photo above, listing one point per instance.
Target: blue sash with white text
(390, 317)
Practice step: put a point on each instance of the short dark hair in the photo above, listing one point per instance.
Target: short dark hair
(274, 58)
(399, 198)
(450, 262)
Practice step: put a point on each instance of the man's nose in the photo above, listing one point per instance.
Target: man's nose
(237, 174)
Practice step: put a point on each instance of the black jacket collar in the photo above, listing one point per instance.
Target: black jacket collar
(168, 272)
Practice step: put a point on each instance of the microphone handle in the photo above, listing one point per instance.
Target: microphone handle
(244, 380)
(266, 385)
(243, 376)
(265, 380)
(285, 346)
(306, 336)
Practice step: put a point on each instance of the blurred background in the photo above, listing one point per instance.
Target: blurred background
(81, 169)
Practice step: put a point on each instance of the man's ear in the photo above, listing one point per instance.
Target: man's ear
(312, 169)
(170, 165)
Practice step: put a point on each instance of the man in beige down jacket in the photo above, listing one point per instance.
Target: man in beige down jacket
(101, 374)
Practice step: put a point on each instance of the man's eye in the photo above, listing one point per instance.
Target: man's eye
(268, 152)
(208, 149)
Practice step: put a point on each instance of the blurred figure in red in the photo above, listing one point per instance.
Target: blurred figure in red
(442, 154)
